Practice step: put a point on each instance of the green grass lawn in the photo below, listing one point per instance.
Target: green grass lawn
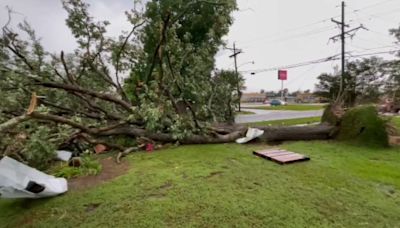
(226, 186)
(396, 122)
(295, 107)
(244, 113)
(288, 122)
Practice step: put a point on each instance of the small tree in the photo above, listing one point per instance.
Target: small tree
(363, 82)
(392, 88)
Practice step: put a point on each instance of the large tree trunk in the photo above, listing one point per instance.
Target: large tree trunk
(315, 132)
(220, 134)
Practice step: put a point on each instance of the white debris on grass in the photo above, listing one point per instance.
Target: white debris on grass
(63, 155)
(18, 180)
(252, 133)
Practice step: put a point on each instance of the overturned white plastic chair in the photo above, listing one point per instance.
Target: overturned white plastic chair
(21, 181)
(252, 133)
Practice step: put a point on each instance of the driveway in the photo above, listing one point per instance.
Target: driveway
(266, 115)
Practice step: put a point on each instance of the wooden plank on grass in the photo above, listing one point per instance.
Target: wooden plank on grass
(281, 156)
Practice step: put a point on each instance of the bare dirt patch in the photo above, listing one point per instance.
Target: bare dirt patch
(110, 170)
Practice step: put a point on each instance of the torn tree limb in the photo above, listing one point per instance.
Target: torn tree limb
(22, 118)
(13, 122)
(67, 110)
(118, 59)
(78, 89)
(125, 153)
(62, 120)
(91, 105)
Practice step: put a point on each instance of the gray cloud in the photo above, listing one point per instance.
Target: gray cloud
(263, 29)
(47, 17)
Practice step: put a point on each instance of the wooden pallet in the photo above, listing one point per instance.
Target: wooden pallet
(281, 156)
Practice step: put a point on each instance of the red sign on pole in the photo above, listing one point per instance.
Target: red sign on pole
(282, 75)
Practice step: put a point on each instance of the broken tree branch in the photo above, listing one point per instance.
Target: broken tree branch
(69, 76)
(119, 53)
(14, 122)
(159, 46)
(95, 116)
(78, 89)
(125, 153)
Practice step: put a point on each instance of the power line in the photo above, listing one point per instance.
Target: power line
(374, 41)
(296, 65)
(302, 75)
(312, 62)
(377, 15)
(379, 33)
(376, 53)
(277, 38)
(312, 32)
(373, 5)
(360, 10)
(374, 48)
(386, 36)
(369, 17)
(316, 23)
(288, 31)
(304, 78)
(354, 11)
(305, 73)
(324, 29)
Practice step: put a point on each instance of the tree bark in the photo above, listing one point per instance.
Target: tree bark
(290, 133)
(317, 132)
(13, 122)
(221, 134)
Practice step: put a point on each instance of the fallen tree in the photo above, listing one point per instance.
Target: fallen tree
(156, 81)
(219, 134)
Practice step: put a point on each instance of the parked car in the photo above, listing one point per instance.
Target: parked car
(277, 103)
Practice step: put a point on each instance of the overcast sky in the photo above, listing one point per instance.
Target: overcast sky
(271, 33)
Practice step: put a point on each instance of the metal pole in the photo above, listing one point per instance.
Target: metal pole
(282, 91)
(237, 75)
(343, 38)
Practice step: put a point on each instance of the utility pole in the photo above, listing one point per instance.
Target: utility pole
(342, 36)
(236, 52)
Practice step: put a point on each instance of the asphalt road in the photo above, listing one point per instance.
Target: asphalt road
(266, 115)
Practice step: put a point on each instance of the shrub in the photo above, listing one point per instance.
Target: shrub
(39, 151)
(34, 143)
(89, 167)
(363, 125)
